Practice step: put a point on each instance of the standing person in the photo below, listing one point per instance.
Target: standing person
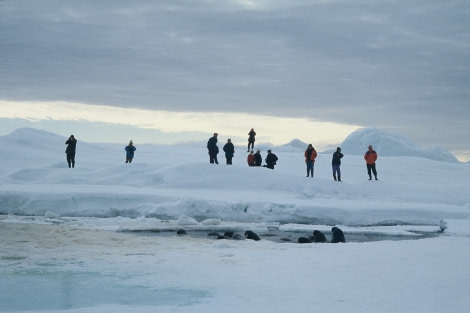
(213, 149)
(310, 156)
(371, 157)
(250, 159)
(229, 150)
(258, 158)
(336, 163)
(251, 139)
(130, 152)
(70, 150)
(271, 160)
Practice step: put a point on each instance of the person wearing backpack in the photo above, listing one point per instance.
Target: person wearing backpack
(271, 160)
(130, 149)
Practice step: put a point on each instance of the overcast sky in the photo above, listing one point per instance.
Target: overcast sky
(396, 65)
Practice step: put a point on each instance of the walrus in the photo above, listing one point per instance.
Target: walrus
(338, 235)
(304, 240)
(237, 237)
(229, 234)
(318, 236)
(251, 235)
(181, 232)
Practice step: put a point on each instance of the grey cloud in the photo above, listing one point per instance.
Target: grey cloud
(387, 63)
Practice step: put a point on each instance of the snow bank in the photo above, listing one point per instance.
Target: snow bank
(167, 182)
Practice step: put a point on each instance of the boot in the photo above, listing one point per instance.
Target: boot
(334, 176)
(311, 172)
(339, 177)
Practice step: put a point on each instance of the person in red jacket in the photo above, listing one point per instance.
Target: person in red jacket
(310, 156)
(250, 159)
(371, 157)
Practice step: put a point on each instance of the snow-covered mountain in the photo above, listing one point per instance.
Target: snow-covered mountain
(384, 142)
(391, 144)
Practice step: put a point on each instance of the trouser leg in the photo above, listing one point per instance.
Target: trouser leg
(374, 171)
(71, 160)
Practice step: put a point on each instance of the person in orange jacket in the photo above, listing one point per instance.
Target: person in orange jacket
(310, 156)
(371, 157)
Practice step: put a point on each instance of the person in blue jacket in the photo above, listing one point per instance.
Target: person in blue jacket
(130, 152)
(336, 164)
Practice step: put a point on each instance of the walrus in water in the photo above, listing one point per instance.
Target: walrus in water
(318, 236)
(338, 235)
(181, 232)
(304, 240)
(251, 235)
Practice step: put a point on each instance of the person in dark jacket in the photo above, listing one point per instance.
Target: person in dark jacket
(229, 150)
(251, 139)
(310, 156)
(371, 157)
(271, 160)
(258, 158)
(336, 164)
(70, 150)
(213, 149)
(130, 152)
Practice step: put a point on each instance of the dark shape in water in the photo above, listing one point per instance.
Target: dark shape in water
(304, 240)
(229, 234)
(338, 235)
(251, 235)
(318, 236)
(237, 237)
